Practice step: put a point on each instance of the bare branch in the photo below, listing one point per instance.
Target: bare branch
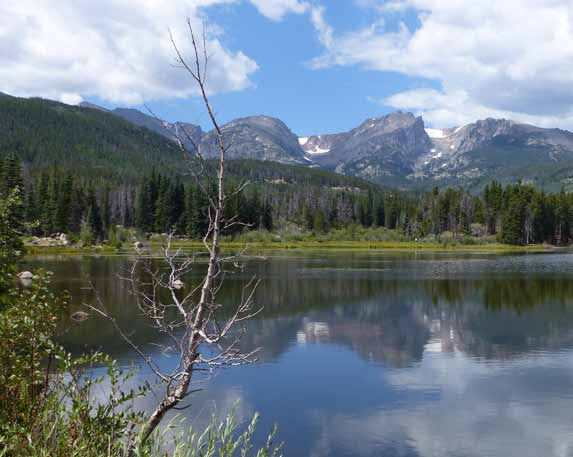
(187, 313)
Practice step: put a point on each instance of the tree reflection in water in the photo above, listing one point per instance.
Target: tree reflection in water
(386, 353)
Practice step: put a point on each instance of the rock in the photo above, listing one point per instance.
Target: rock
(80, 316)
(26, 278)
(25, 275)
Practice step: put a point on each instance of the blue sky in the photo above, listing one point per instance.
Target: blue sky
(309, 101)
(322, 66)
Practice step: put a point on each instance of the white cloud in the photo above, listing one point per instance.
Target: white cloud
(118, 50)
(325, 32)
(511, 58)
(277, 9)
(467, 400)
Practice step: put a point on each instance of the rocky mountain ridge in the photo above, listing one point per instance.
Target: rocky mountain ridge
(397, 149)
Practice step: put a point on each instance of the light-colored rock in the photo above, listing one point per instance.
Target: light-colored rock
(25, 275)
(80, 316)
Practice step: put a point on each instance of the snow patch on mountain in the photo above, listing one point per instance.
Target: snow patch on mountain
(317, 150)
(435, 133)
(302, 140)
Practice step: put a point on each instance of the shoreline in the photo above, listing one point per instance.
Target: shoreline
(297, 245)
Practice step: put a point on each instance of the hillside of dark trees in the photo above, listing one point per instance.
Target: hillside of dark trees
(58, 201)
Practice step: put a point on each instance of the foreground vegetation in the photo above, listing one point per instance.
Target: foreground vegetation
(48, 405)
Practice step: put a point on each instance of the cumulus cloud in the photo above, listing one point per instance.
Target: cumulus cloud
(277, 9)
(117, 50)
(513, 58)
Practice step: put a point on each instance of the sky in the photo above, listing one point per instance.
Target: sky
(321, 66)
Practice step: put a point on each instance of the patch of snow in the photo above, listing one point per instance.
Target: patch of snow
(435, 133)
(458, 129)
(318, 150)
(452, 146)
(432, 150)
(437, 156)
(303, 140)
(433, 346)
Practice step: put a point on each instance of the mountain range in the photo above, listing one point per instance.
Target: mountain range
(397, 149)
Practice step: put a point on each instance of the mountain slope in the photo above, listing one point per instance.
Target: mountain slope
(254, 137)
(498, 149)
(189, 134)
(383, 149)
(95, 143)
(395, 150)
(398, 150)
(257, 137)
(87, 141)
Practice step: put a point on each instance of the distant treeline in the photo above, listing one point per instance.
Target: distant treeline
(58, 201)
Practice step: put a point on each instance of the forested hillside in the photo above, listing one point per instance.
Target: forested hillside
(88, 142)
(56, 201)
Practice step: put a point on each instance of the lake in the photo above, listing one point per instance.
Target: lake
(379, 353)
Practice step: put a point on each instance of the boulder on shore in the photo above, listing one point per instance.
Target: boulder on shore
(80, 316)
(25, 275)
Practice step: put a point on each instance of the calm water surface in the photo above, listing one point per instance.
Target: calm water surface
(381, 354)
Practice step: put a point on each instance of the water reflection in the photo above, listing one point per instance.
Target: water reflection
(384, 354)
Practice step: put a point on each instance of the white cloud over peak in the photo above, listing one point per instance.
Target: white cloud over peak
(117, 50)
(511, 57)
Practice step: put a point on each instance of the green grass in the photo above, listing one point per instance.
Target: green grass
(301, 245)
(395, 245)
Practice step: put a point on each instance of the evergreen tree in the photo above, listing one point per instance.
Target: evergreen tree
(93, 215)
(63, 204)
(12, 173)
(513, 221)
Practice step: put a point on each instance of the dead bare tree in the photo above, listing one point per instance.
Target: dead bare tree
(190, 317)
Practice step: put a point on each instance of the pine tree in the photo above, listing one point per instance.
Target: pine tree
(42, 204)
(164, 207)
(93, 215)
(513, 221)
(12, 173)
(146, 203)
(188, 211)
(199, 223)
(63, 203)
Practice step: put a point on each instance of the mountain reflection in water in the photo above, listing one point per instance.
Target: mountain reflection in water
(381, 354)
